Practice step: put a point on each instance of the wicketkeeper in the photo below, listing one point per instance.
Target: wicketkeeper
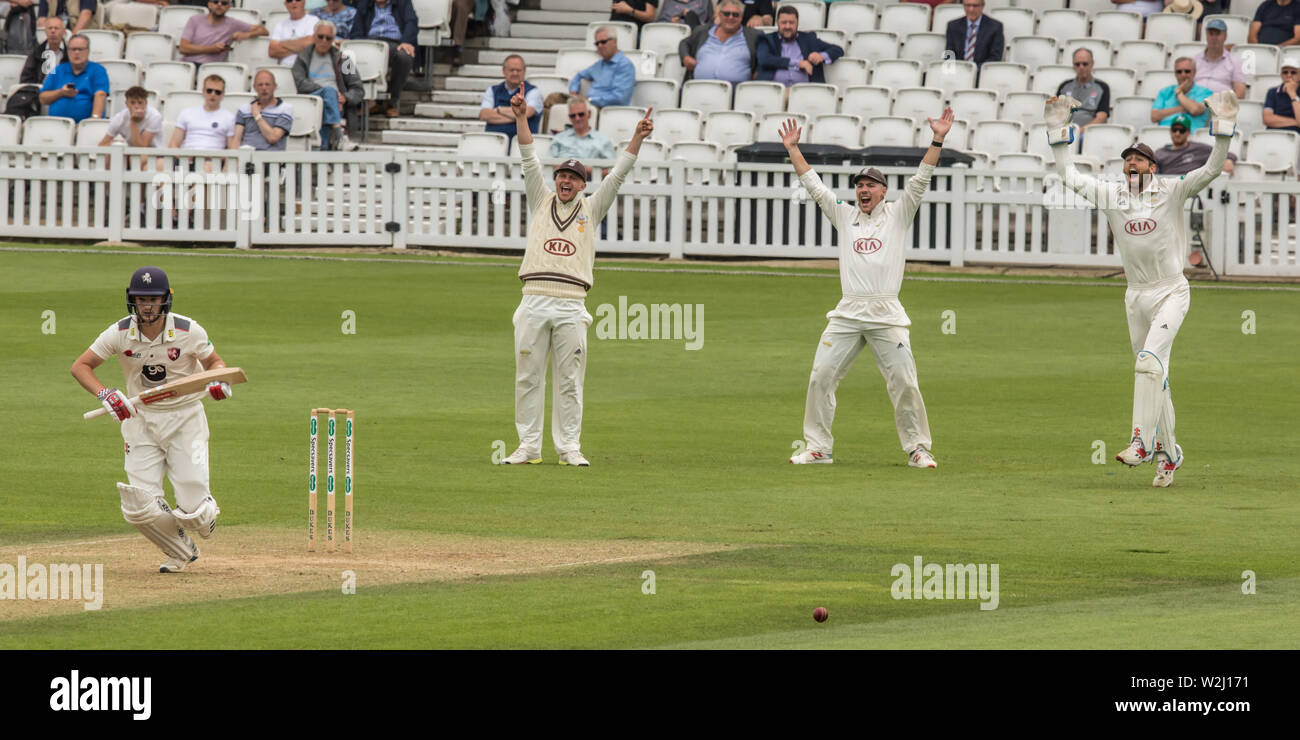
(552, 318)
(1145, 214)
(874, 236)
(156, 346)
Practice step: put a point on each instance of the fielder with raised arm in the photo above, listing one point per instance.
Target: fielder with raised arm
(156, 346)
(874, 236)
(1145, 214)
(552, 318)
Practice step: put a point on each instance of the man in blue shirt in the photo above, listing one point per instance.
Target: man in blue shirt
(580, 141)
(1184, 96)
(78, 88)
(789, 56)
(1281, 102)
(494, 109)
(724, 51)
(612, 78)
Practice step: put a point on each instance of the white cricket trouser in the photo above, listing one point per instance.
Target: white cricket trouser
(173, 441)
(837, 349)
(556, 327)
(1155, 314)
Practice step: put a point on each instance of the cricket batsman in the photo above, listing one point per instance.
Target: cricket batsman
(552, 318)
(874, 236)
(1145, 214)
(156, 346)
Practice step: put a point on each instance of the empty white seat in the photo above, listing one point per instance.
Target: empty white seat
(179, 101)
(874, 45)
(896, 73)
(1185, 49)
(957, 138)
(851, 17)
(482, 144)
(1103, 51)
(1153, 82)
(122, 74)
(761, 97)
(48, 131)
(1131, 110)
(1202, 136)
(1023, 162)
(253, 52)
(307, 111)
(571, 61)
(1118, 79)
(974, 104)
(1117, 26)
(234, 75)
(997, 137)
(663, 38)
(263, 6)
(904, 19)
(274, 17)
(230, 101)
(618, 122)
(1106, 140)
(1171, 28)
(706, 96)
(729, 127)
(1154, 136)
(677, 124)
(1036, 141)
(1142, 56)
(651, 151)
(1048, 78)
(889, 131)
(847, 71)
(542, 145)
(1004, 77)
(90, 132)
(1248, 171)
(104, 44)
(148, 46)
(950, 75)
(624, 31)
(251, 17)
(1024, 106)
(547, 84)
(922, 47)
(139, 15)
(812, 13)
(556, 118)
(1258, 59)
(172, 19)
(1034, 51)
(1062, 24)
(10, 130)
(812, 98)
(701, 152)
(1015, 21)
(656, 93)
(284, 83)
(645, 62)
(1238, 25)
(1250, 118)
(942, 15)
(866, 100)
(837, 128)
(1092, 6)
(830, 35)
(165, 77)
(11, 69)
(769, 125)
(918, 104)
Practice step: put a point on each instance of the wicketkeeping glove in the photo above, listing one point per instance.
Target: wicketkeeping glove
(1056, 114)
(117, 404)
(219, 390)
(1223, 113)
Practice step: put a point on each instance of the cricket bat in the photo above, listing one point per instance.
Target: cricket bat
(188, 384)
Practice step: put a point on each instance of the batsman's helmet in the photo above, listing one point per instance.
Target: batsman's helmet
(149, 281)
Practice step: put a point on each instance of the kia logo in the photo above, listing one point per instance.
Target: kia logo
(866, 246)
(1140, 226)
(561, 247)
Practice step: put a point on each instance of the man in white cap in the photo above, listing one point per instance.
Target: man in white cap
(1281, 102)
(1145, 214)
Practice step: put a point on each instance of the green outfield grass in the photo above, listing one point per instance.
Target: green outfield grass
(686, 447)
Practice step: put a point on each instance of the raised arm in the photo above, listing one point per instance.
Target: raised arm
(534, 186)
(1223, 124)
(918, 184)
(608, 190)
(1056, 113)
(826, 200)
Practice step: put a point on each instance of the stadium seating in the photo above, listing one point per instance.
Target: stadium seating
(761, 97)
(1015, 21)
(1024, 106)
(10, 130)
(179, 101)
(1034, 51)
(233, 101)
(1103, 51)
(618, 122)
(874, 45)
(888, 131)
(838, 128)
(656, 93)
(147, 46)
(1171, 28)
(997, 137)
(570, 61)
(121, 73)
(830, 36)
(48, 131)
(284, 83)
(117, 101)
(1062, 24)
(769, 125)
(105, 44)
(1154, 136)
(90, 132)
(1036, 141)
(904, 19)
(1153, 82)
(1244, 171)
(556, 118)
(1202, 136)
(851, 17)
(482, 144)
(706, 96)
(974, 104)
(729, 128)
(1131, 110)
(950, 75)
(254, 18)
(812, 14)
(172, 19)
(1004, 77)
(252, 52)
(165, 77)
(942, 15)
(1238, 26)
(235, 75)
(847, 71)
(678, 124)
(138, 15)
(645, 62)
(1250, 118)
(542, 144)
(264, 7)
(1117, 26)
(696, 151)
(1120, 80)
(547, 84)
(1023, 162)
(918, 103)
(922, 47)
(1106, 140)
(1259, 59)
(663, 38)
(371, 58)
(1048, 78)
(1142, 56)
(626, 34)
(958, 136)
(896, 73)
(866, 100)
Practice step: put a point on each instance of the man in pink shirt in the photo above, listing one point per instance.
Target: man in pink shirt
(1217, 68)
(208, 38)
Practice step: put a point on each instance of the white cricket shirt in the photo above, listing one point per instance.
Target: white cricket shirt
(174, 354)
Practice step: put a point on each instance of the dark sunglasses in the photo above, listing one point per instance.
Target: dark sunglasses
(1184, 71)
(578, 115)
(729, 14)
(219, 2)
(323, 37)
(1178, 129)
(603, 42)
(213, 91)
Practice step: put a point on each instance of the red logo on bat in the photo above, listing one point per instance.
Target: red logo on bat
(560, 247)
(1140, 226)
(866, 246)
(173, 353)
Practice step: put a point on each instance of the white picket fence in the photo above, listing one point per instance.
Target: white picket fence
(676, 208)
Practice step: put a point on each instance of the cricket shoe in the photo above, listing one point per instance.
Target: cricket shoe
(521, 457)
(1134, 454)
(574, 458)
(176, 565)
(921, 458)
(809, 457)
(1165, 468)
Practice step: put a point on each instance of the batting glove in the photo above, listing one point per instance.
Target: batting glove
(219, 390)
(117, 404)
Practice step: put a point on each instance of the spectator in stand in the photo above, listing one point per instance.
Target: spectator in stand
(1093, 93)
(790, 56)
(580, 141)
(18, 24)
(393, 22)
(612, 78)
(139, 125)
(495, 106)
(688, 12)
(460, 14)
(24, 102)
(1216, 67)
(78, 88)
(340, 15)
(207, 126)
(639, 12)
(1276, 22)
(1281, 102)
(975, 38)
(323, 71)
(1141, 7)
(725, 51)
(77, 15)
(293, 34)
(208, 38)
(1212, 7)
(1184, 155)
(264, 123)
(1184, 96)
(757, 13)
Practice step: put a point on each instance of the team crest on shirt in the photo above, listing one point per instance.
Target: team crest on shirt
(866, 246)
(173, 353)
(560, 247)
(154, 374)
(1140, 226)
(582, 223)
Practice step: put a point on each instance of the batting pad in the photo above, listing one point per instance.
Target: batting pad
(203, 520)
(151, 515)
(1150, 394)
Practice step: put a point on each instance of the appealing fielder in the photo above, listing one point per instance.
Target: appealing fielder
(1145, 214)
(552, 318)
(156, 346)
(873, 241)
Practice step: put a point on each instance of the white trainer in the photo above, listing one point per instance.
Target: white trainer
(176, 565)
(1134, 454)
(574, 458)
(921, 458)
(809, 457)
(521, 457)
(1165, 468)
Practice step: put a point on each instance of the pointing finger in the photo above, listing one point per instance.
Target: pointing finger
(649, 110)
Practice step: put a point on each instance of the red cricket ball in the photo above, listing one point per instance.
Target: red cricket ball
(820, 614)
